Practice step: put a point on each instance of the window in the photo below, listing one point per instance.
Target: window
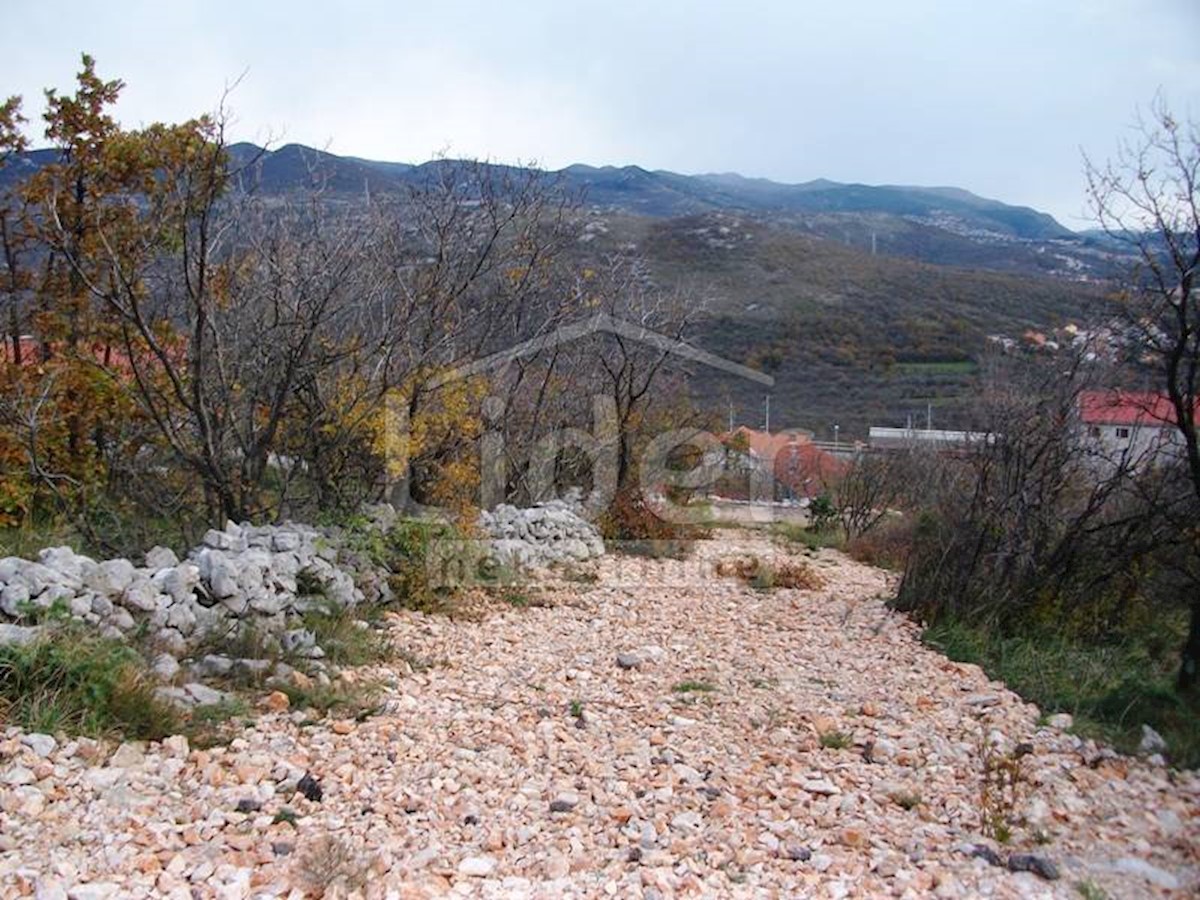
(1094, 431)
(1122, 432)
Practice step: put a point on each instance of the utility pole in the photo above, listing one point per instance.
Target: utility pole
(929, 416)
(768, 416)
(731, 417)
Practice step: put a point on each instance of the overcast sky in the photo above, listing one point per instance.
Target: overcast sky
(997, 96)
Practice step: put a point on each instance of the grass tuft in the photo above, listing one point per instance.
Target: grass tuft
(345, 641)
(72, 680)
(791, 533)
(358, 700)
(836, 740)
(693, 687)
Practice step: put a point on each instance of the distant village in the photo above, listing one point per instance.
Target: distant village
(1131, 429)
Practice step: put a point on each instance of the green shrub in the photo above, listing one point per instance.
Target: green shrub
(345, 641)
(74, 681)
(417, 554)
(821, 513)
(1111, 688)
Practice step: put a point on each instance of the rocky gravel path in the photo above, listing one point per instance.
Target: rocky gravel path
(657, 733)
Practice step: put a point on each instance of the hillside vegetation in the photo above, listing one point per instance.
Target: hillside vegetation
(849, 337)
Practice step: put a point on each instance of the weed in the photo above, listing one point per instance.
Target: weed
(345, 638)
(693, 687)
(1002, 790)
(240, 640)
(214, 724)
(515, 599)
(812, 540)
(836, 740)
(358, 700)
(285, 814)
(1090, 891)
(74, 681)
(576, 709)
(331, 867)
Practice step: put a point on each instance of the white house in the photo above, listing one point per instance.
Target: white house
(1135, 426)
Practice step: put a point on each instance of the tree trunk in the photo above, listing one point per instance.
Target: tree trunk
(1189, 665)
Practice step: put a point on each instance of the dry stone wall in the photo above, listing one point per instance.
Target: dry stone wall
(550, 533)
(245, 577)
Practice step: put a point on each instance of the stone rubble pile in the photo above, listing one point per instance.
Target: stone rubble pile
(258, 576)
(549, 533)
(245, 578)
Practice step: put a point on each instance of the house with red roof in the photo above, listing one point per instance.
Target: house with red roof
(1135, 426)
(786, 464)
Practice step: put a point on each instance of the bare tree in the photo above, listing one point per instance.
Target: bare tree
(219, 305)
(1146, 201)
(1035, 518)
(640, 371)
(873, 484)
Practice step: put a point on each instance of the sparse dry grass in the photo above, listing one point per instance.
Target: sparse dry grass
(765, 576)
(330, 866)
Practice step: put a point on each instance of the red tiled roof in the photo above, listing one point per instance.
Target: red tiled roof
(807, 469)
(793, 459)
(767, 446)
(1141, 408)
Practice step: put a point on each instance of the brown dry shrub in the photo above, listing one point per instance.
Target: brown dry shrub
(634, 526)
(765, 576)
(331, 867)
(798, 575)
(886, 545)
(740, 567)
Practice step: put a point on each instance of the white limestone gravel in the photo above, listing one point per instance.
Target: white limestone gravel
(526, 762)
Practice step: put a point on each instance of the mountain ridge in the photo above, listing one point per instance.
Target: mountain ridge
(940, 224)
